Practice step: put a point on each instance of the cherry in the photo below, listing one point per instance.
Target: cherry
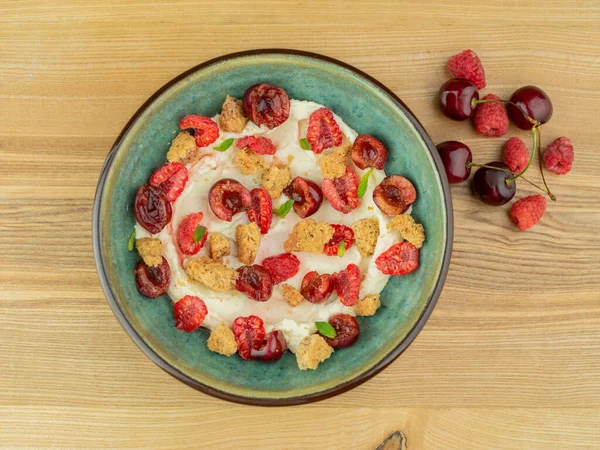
(491, 186)
(150, 281)
(455, 156)
(255, 281)
(456, 97)
(368, 151)
(152, 208)
(346, 328)
(307, 196)
(273, 349)
(316, 288)
(394, 195)
(228, 197)
(534, 101)
(268, 105)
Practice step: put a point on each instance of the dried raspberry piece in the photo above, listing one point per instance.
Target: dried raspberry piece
(171, 179)
(206, 130)
(368, 151)
(341, 233)
(342, 192)
(268, 105)
(261, 209)
(254, 281)
(316, 288)
(150, 281)
(151, 208)
(515, 154)
(526, 212)
(185, 234)
(323, 131)
(346, 329)
(249, 334)
(282, 267)
(189, 313)
(558, 156)
(227, 197)
(399, 259)
(273, 349)
(258, 144)
(394, 195)
(347, 284)
(491, 119)
(467, 65)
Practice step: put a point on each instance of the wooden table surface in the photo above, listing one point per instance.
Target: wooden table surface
(511, 355)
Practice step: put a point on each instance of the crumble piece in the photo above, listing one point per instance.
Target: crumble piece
(150, 249)
(219, 246)
(409, 230)
(366, 233)
(275, 179)
(212, 274)
(312, 350)
(291, 295)
(308, 236)
(249, 162)
(222, 340)
(333, 165)
(183, 149)
(247, 238)
(367, 306)
(232, 116)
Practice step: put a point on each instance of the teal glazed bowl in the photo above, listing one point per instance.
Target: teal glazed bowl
(365, 105)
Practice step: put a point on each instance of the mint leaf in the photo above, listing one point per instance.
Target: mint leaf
(364, 181)
(131, 241)
(224, 145)
(341, 248)
(304, 144)
(199, 233)
(326, 329)
(284, 209)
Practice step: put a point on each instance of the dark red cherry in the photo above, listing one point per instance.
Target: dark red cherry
(455, 157)
(533, 100)
(273, 349)
(456, 96)
(307, 196)
(490, 185)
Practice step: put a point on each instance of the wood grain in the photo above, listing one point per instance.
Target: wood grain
(510, 358)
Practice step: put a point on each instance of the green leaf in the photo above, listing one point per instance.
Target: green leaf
(284, 209)
(199, 233)
(304, 144)
(341, 248)
(131, 241)
(326, 329)
(224, 145)
(364, 181)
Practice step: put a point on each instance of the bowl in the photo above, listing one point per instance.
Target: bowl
(365, 105)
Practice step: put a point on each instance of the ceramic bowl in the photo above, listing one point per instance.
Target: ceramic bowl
(365, 105)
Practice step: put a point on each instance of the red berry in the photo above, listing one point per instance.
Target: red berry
(323, 131)
(341, 233)
(342, 192)
(492, 186)
(456, 98)
(151, 208)
(185, 234)
(394, 195)
(515, 155)
(346, 329)
(316, 288)
(526, 212)
(273, 349)
(254, 281)
(189, 313)
(258, 144)
(171, 179)
(249, 334)
(456, 158)
(467, 65)
(491, 119)
(150, 281)
(282, 267)
(534, 102)
(368, 151)
(228, 197)
(558, 156)
(399, 259)
(307, 196)
(267, 105)
(206, 130)
(347, 284)
(261, 209)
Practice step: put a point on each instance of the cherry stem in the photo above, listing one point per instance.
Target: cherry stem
(541, 165)
(535, 134)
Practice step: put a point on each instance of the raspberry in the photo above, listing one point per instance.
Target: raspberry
(399, 259)
(261, 209)
(347, 284)
(185, 234)
(515, 154)
(282, 267)
(189, 313)
(258, 144)
(249, 334)
(558, 156)
(491, 119)
(171, 179)
(342, 192)
(467, 65)
(323, 131)
(206, 130)
(342, 233)
(526, 212)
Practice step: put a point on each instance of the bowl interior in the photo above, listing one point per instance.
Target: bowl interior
(367, 108)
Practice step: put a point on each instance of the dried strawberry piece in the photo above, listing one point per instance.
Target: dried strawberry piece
(399, 259)
(347, 284)
(227, 197)
(316, 288)
(258, 144)
(274, 347)
(206, 130)
(368, 151)
(261, 209)
(171, 179)
(189, 313)
(151, 208)
(307, 196)
(268, 105)
(150, 281)
(323, 131)
(394, 195)
(282, 267)
(249, 334)
(342, 192)
(185, 234)
(254, 281)
(346, 329)
(341, 233)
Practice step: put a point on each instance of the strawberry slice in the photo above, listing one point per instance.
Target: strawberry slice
(347, 284)
(282, 267)
(189, 313)
(341, 233)
(261, 209)
(171, 179)
(185, 234)
(323, 131)
(342, 192)
(206, 130)
(258, 144)
(249, 334)
(399, 259)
